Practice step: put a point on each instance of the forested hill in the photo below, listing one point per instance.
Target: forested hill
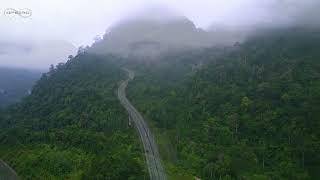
(72, 126)
(252, 113)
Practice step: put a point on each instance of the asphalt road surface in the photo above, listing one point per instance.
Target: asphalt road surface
(155, 167)
(6, 172)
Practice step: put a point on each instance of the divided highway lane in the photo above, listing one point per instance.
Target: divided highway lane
(155, 167)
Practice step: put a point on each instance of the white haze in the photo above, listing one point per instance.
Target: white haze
(78, 21)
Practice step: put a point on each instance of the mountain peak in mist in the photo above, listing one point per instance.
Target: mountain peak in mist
(155, 14)
(154, 32)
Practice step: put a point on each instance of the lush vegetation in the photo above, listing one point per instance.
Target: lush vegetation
(252, 113)
(246, 112)
(72, 126)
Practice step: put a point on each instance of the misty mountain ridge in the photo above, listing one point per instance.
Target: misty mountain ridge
(150, 37)
(154, 32)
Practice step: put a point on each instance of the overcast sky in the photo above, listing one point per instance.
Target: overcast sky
(78, 21)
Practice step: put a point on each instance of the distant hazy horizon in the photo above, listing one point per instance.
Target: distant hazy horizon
(77, 22)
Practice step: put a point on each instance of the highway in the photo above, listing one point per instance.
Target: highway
(154, 164)
(6, 172)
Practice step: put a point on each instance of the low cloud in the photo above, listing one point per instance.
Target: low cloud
(78, 21)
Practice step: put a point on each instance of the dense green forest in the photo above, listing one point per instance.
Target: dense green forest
(72, 126)
(15, 84)
(252, 113)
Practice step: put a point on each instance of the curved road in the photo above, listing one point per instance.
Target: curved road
(155, 167)
(6, 172)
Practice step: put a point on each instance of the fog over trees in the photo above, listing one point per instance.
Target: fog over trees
(225, 90)
(205, 23)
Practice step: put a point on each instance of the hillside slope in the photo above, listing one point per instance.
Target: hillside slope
(252, 113)
(72, 126)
